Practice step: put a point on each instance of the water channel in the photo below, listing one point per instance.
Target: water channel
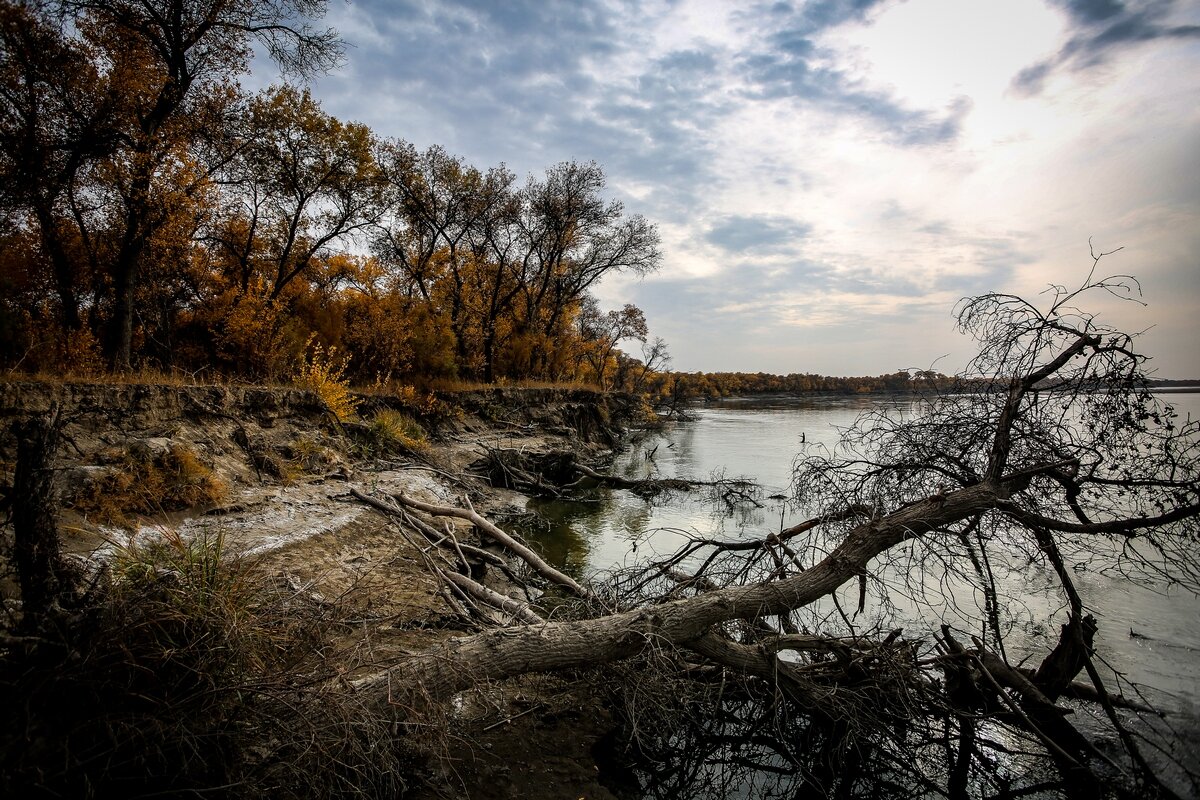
(1148, 631)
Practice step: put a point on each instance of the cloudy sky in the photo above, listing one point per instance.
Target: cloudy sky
(828, 177)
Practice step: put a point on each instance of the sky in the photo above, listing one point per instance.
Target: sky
(828, 178)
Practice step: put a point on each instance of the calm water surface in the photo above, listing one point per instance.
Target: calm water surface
(761, 439)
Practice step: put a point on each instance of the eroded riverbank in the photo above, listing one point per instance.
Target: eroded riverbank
(279, 471)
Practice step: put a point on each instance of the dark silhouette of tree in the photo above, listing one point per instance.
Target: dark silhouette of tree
(57, 119)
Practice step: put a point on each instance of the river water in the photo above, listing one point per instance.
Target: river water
(1148, 632)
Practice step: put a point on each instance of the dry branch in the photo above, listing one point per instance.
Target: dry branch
(535, 561)
(517, 609)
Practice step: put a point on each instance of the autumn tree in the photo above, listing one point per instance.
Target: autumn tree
(444, 217)
(509, 267)
(56, 121)
(300, 184)
(166, 66)
(602, 332)
(573, 238)
(649, 374)
(176, 219)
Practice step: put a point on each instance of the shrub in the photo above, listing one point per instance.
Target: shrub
(188, 675)
(307, 454)
(322, 372)
(393, 430)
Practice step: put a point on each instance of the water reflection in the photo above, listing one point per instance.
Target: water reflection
(730, 439)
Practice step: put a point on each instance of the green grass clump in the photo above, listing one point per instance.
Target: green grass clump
(392, 431)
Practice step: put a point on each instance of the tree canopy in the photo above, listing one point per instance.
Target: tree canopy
(155, 215)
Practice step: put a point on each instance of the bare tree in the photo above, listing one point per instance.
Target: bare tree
(604, 331)
(447, 238)
(299, 183)
(1051, 445)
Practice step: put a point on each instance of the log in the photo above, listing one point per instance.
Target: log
(459, 663)
(1068, 657)
(517, 609)
(430, 533)
(41, 573)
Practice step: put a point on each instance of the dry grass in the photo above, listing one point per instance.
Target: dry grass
(451, 385)
(190, 675)
(417, 390)
(323, 371)
(139, 377)
(391, 431)
(147, 483)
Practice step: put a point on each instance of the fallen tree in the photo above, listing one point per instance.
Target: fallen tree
(559, 473)
(1060, 444)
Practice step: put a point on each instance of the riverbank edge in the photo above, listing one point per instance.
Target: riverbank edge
(247, 436)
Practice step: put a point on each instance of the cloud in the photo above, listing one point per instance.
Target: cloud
(1101, 29)
(829, 176)
(534, 82)
(791, 64)
(757, 234)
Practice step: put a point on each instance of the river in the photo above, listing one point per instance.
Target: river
(1148, 631)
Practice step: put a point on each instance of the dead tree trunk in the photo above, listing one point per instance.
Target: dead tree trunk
(40, 570)
(456, 665)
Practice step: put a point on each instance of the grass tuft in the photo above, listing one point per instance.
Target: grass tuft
(391, 430)
(188, 675)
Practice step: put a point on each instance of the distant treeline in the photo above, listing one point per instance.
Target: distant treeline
(690, 385)
(714, 385)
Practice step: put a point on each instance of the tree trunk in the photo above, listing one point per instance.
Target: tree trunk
(456, 665)
(120, 335)
(40, 571)
(64, 274)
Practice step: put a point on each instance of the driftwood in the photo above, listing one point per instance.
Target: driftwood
(985, 681)
(462, 592)
(517, 609)
(1067, 659)
(470, 592)
(456, 665)
(560, 472)
(488, 528)
(435, 537)
(991, 459)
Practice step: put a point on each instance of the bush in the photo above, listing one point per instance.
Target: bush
(391, 430)
(322, 372)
